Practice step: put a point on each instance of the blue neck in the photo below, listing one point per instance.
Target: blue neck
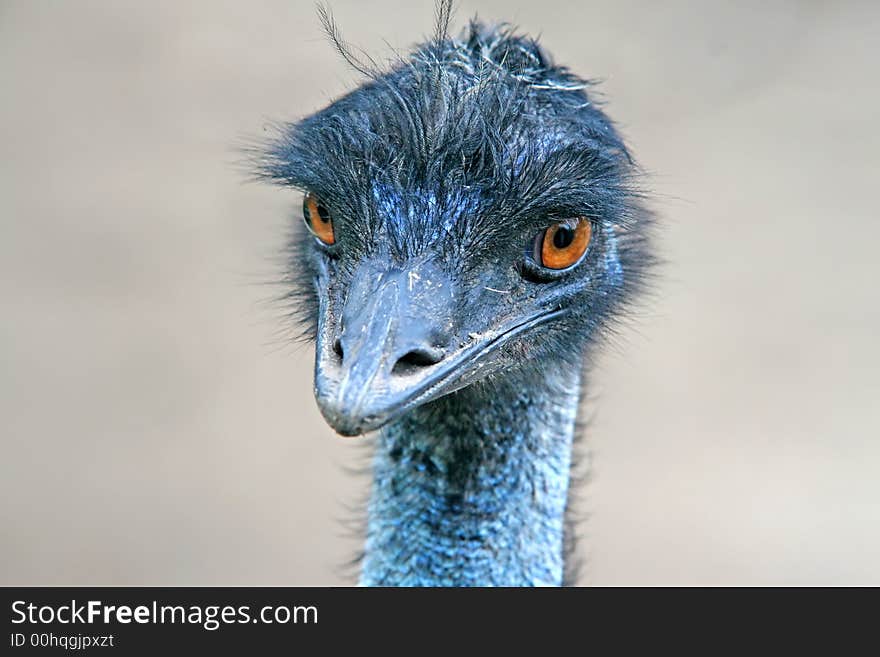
(470, 490)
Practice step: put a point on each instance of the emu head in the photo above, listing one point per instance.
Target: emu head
(468, 215)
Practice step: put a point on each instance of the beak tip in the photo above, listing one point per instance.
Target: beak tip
(345, 421)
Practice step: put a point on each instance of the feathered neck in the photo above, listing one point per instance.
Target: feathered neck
(471, 490)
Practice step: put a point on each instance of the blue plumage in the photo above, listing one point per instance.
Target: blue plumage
(437, 320)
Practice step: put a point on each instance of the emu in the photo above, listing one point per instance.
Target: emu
(472, 224)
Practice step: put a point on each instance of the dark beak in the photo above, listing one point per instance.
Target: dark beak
(387, 347)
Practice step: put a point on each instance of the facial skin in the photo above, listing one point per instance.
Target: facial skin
(396, 332)
(481, 219)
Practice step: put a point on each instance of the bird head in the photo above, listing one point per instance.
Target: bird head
(468, 213)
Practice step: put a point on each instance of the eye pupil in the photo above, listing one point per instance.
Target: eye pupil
(323, 214)
(563, 237)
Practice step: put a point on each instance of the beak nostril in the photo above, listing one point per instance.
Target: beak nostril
(337, 348)
(416, 358)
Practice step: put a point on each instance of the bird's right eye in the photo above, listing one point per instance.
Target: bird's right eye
(318, 219)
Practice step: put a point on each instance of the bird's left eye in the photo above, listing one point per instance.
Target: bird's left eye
(564, 243)
(318, 219)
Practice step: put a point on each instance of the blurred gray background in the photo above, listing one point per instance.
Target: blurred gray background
(158, 428)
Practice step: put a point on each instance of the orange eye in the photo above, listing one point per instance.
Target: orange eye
(563, 244)
(318, 219)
